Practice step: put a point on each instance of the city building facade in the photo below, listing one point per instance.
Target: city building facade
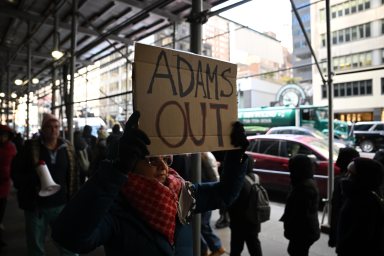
(357, 39)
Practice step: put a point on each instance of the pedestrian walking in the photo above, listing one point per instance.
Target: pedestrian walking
(360, 229)
(41, 211)
(209, 240)
(243, 230)
(7, 153)
(301, 223)
(345, 157)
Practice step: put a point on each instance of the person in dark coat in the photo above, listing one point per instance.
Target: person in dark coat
(90, 139)
(223, 220)
(40, 209)
(379, 156)
(345, 157)
(100, 150)
(209, 240)
(139, 206)
(7, 153)
(80, 144)
(361, 222)
(301, 223)
(113, 142)
(242, 229)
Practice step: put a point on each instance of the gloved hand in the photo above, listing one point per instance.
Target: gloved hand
(133, 144)
(238, 137)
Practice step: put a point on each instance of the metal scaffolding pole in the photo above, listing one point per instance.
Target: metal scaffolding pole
(53, 101)
(29, 66)
(196, 34)
(330, 109)
(56, 44)
(8, 86)
(72, 71)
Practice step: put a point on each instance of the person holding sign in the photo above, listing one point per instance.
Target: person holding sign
(140, 206)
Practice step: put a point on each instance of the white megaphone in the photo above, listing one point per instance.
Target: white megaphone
(48, 186)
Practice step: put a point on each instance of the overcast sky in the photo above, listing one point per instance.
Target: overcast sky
(264, 15)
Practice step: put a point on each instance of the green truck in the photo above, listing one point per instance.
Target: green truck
(259, 120)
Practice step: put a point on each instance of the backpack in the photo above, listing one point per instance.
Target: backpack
(83, 159)
(258, 209)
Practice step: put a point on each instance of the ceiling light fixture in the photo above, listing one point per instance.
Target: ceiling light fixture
(18, 82)
(56, 53)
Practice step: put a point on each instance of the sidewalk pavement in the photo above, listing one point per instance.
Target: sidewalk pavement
(271, 236)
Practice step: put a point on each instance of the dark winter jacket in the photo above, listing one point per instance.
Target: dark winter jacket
(61, 166)
(300, 216)
(98, 215)
(237, 209)
(7, 153)
(345, 157)
(360, 229)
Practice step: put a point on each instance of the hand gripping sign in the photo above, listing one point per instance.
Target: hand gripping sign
(187, 102)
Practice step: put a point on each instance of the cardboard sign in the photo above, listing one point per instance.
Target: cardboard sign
(187, 102)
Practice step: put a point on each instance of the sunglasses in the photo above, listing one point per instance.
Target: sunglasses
(159, 160)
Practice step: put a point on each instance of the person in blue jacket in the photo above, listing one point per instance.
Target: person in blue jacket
(140, 206)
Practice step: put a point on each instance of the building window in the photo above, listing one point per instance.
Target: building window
(334, 37)
(367, 4)
(341, 36)
(349, 34)
(367, 30)
(357, 60)
(342, 89)
(382, 55)
(382, 26)
(336, 90)
(323, 40)
(333, 12)
(382, 84)
(360, 6)
(369, 87)
(355, 88)
(324, 91)
(353, 6)
(362, 89)
(349, 89)
(347, 8)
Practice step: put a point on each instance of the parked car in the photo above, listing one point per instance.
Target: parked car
(271, 154)
(308, 131)
(369, 136)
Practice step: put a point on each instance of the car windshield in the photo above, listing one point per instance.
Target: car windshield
(319, 134)
(362, 127)
(322, 147)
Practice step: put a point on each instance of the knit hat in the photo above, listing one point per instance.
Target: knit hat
(346, 155)
(6, 129)
(301, 167)
(48, 118)
(369, 173)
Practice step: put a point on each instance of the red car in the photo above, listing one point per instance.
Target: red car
(271, 153)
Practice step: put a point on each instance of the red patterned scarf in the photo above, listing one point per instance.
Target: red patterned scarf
(156, 202)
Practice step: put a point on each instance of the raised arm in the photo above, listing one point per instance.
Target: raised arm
(214, 195)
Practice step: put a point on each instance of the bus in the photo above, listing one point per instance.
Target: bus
(259, 120)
